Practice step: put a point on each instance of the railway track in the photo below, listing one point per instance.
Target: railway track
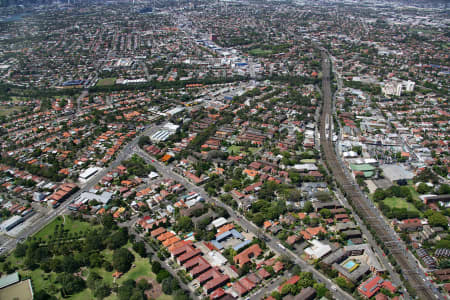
(354, 195)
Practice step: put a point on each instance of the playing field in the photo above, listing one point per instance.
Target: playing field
(260, 52)
(9, 110)
(73, 226)
(106, 81)
(395, 202)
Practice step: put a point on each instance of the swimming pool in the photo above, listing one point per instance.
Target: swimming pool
(349, 265)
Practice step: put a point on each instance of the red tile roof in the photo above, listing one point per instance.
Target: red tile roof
(293, 280)
(245, 256)
(371, 286)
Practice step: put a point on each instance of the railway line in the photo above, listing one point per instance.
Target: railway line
(365, 209)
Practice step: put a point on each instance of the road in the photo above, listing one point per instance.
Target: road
(362, 204)
(63, 208)
(273, 243)
(269, 288)
(83, 94)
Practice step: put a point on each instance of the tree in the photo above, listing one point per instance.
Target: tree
(122, 260)
(294, 195)
(180, 295)
(70, 265)
(286, 289)
(94, 241)
(444, 264)
(423, 188)
(306, 279)
(444, 189)
(102, 291)
(308, 207)
(162, 274)
(169, 285)
(344, 284)
(143, 285)
(42, 295)
(93, 280)
(276, 295)
(125, 291)
(21, 250)
(379, 195)
(108, 221)
(70, 284)
(438, 219)
(325, 213)
(321, 289)
(95, 260)
(140, 249)
(184, 223)
(118, 239)
(144, 140)
(258, 219)
(156, 267)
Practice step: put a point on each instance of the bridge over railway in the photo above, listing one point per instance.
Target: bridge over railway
(361, 204)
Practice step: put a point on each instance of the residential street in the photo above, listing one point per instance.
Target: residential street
(273, 243)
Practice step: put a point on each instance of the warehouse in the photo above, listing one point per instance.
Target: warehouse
(11, 223)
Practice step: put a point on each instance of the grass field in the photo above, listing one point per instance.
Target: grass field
(106, 81)
(41, 280)
(142, 268)
(234, 149)
(69, 224)
(47, 281)
(253, 149)
(260, 52)
(239, 149)
(8, 110)
(395, 202)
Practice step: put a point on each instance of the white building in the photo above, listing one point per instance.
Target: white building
(317, 250)
(88, 173)
(396, 87)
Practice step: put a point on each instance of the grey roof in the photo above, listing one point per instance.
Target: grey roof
(307, 293)
(345, 226)
(372, 259)
(352, 232)
(88, 196)
(331, 204)
(225, 235)
(337, 256)
(396, 172)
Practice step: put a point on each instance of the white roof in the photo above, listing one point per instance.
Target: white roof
(350, 154)
(104, 198)
(88, 172)
(308, 167)
(219, 222)
(318, 249)
(9, 222)
(171, 127)
(216, 259)
(153, 175)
